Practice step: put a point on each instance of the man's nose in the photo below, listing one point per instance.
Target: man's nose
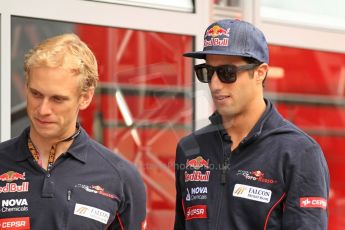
(215, 83)
(44, 107)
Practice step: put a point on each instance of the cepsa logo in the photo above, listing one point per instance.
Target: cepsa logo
(196, 212)
(12, 176)
(20, 223)
(313, 202)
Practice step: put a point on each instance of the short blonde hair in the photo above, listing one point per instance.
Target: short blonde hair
(66, 51)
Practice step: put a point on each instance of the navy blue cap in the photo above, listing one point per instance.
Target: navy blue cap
(233, 38)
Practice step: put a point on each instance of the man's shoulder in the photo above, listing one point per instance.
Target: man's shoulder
(9, 144)
(9, 151)
(100, 148)
(112, 158)
(200, 139)
(276, 126)
(200, 134)
(15, 142)
(295, 134)
(288, 139)
(105, 152)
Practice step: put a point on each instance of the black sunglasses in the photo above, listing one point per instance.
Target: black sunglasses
(225, 73)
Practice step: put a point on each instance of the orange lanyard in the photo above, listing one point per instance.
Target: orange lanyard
(52, 152)
(36, 154)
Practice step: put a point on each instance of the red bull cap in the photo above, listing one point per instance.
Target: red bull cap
(233, 38)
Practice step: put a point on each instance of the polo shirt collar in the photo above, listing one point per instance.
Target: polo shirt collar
(78, 149)
(22, 146)
(80, 146)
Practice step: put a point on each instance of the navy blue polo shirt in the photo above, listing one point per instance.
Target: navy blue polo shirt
(88, 187)
(276, 178)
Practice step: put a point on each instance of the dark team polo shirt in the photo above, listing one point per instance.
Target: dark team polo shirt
(88, 187)
(277, 178)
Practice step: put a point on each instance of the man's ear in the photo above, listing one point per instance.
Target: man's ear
(86, 98)
(261, 73)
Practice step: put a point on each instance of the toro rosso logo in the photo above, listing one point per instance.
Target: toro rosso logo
(256, 175)
(12, 176)
(97, 189)
(197, 163)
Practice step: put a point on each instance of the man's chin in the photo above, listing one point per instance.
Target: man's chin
(226, 112)
(47, 135)
(46, 132)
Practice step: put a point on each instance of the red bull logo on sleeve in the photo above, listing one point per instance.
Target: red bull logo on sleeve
(12, 176)
(197, 163)
(214, 34)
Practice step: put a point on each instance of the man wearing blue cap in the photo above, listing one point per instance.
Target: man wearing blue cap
(250, 168)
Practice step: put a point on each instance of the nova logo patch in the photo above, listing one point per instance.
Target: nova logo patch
(198, 193)
(199, 190)
(92, 213)
(252, 193)
(14, 202)
(14, 205)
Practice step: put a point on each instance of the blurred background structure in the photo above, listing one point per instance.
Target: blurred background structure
(148, 98)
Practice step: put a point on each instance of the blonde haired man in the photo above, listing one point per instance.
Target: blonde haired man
(54, 176)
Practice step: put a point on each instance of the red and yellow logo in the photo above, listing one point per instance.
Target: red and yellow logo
(12, 176)
(216, 31)
(197, 163)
